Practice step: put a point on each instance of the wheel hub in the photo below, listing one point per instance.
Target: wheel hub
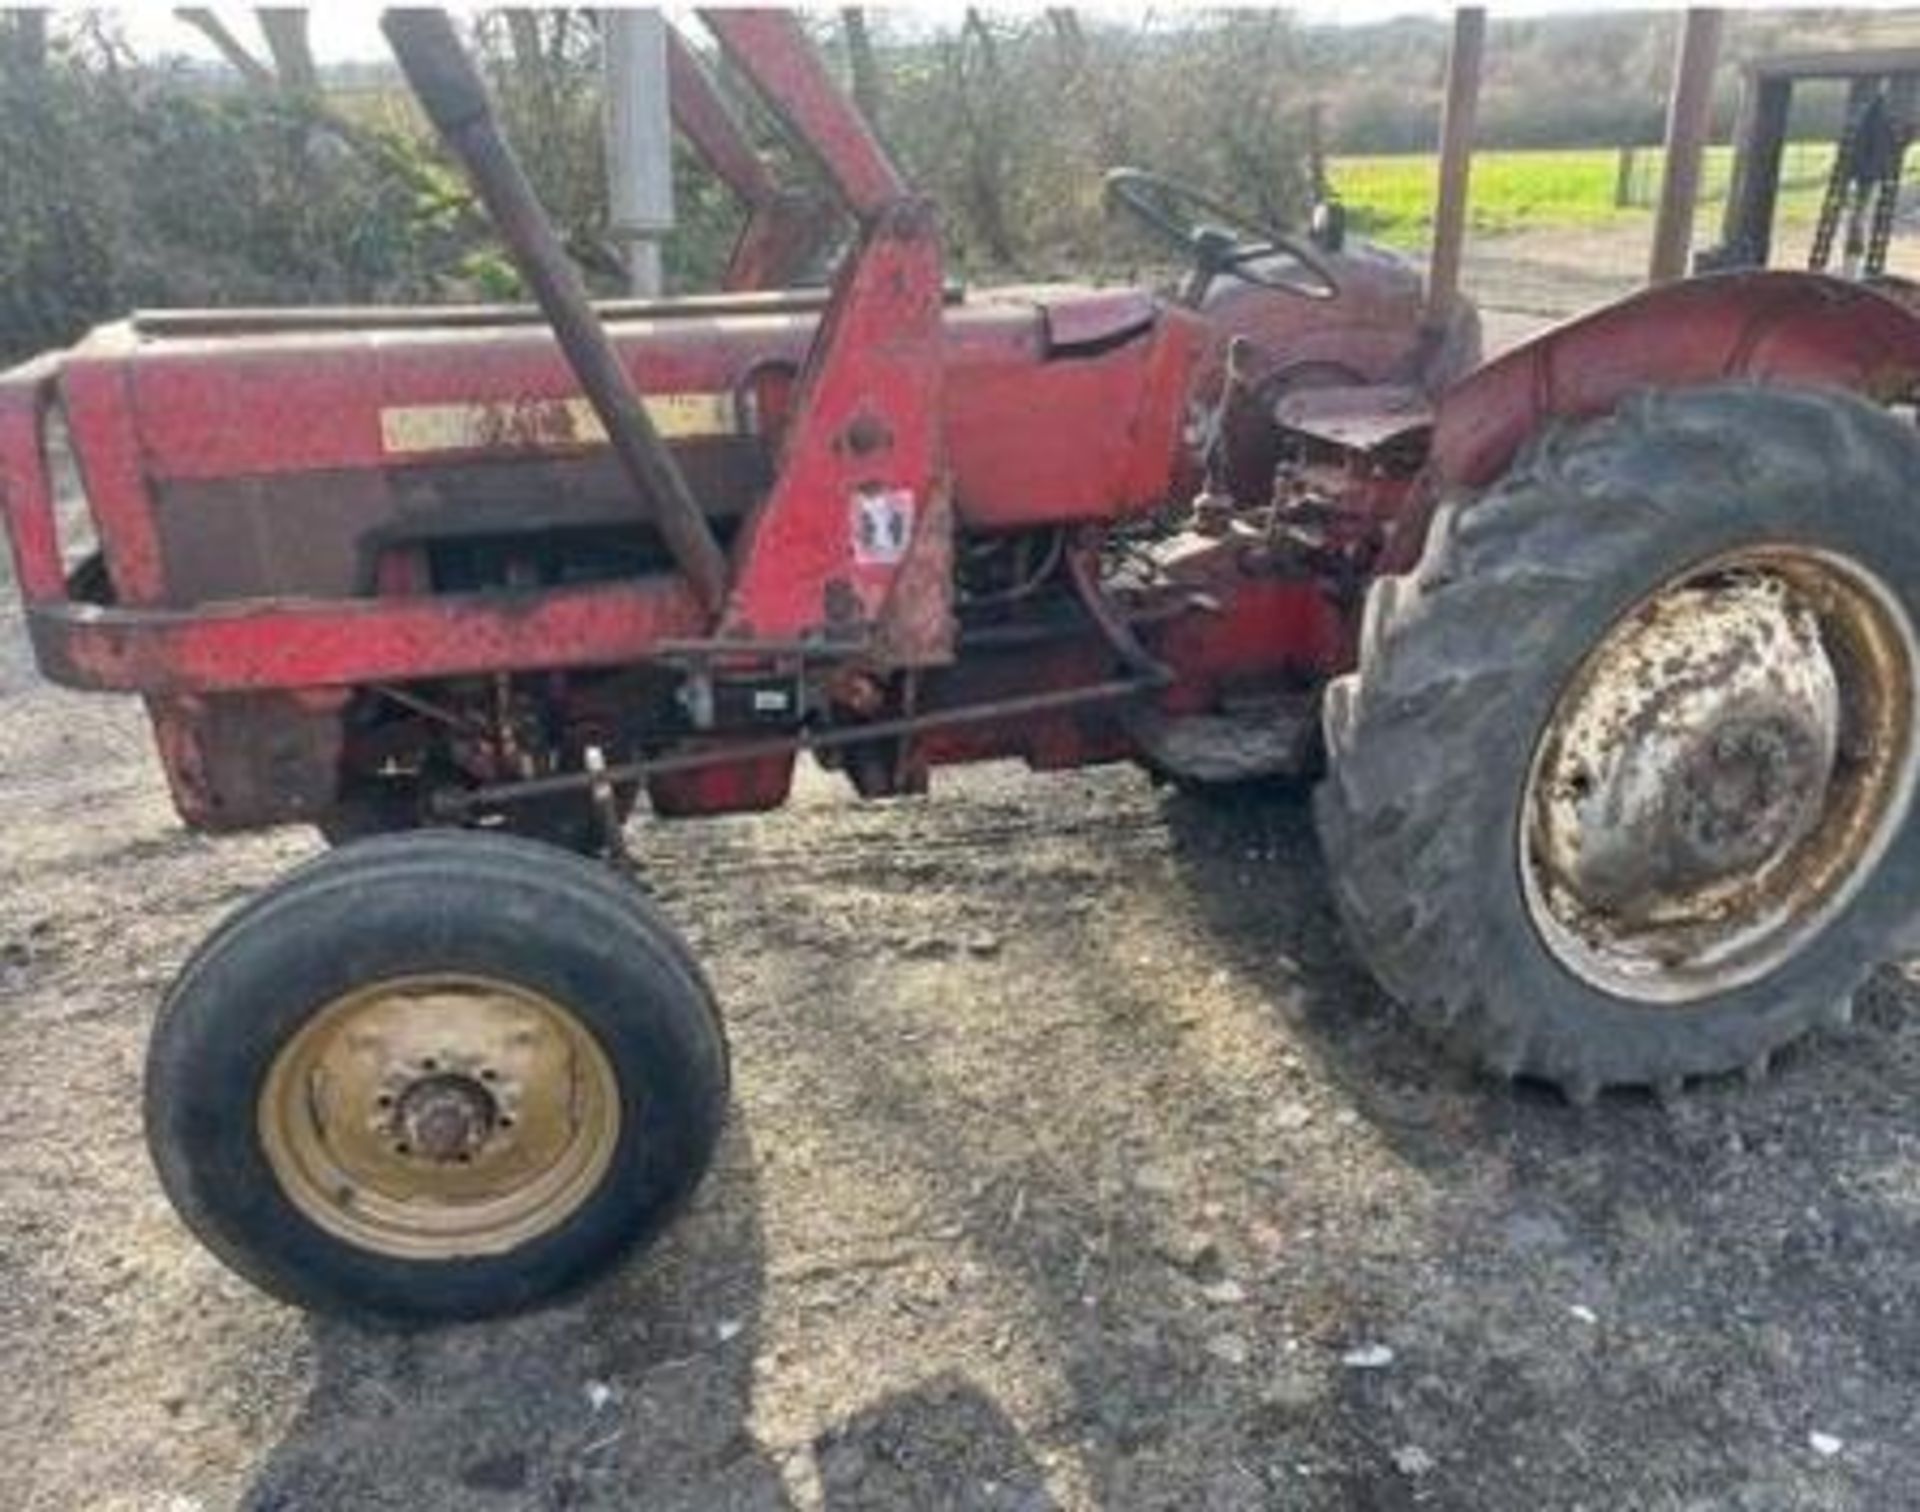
(1749, 792)
(435, 1117)
(445, 1117)
(1718, 773)
(1696, 749)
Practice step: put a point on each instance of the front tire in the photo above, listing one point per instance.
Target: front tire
(1620, 791)
(433, 1078)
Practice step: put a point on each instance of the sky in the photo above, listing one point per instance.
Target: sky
(347, 31)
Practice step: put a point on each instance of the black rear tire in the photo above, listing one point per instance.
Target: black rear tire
(447, 904)
(1431, 740)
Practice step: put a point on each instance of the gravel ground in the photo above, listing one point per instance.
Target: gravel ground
(1074, 1164)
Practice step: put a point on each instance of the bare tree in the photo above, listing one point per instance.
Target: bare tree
(1070, 40)
(862, 65)
(523, 35)
(25, 38)
(285, 29)
(293, 75)
(976, 59)
(203, 20)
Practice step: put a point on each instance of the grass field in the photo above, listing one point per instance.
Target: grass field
(1391, 197)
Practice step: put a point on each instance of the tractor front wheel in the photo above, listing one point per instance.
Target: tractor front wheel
(1621, 790)
(443, 1076)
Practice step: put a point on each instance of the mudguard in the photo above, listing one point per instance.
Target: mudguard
(1771, 327)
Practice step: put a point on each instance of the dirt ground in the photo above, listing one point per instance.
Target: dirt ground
(1074, 1164)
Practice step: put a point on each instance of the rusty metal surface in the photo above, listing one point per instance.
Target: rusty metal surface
(786, 228)
(917, 626)
(241, 761)
(327, 533)
(748, 752)
(230, 322)
(864, 458)
(709, 124)
(268, 406)
(1359, 418)
(26, 487)
(782, 239)
(1080, 316)
(1774, 327)
(450, 90)
(1771, 327)
(1720, 773)
(507, 425)
(334, 643)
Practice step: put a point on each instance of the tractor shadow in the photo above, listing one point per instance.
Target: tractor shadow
(633, 1393)
(1049, 1119)
(1258, 886)
(1810, 1139)
(1748, 1228)
(943, 1443)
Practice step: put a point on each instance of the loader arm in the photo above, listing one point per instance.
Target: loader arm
(786, 229)
(862, 486)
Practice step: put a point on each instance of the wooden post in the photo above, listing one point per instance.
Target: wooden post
(1689, 106)
(1317, 181)
(1456, 161)
(1623, 179)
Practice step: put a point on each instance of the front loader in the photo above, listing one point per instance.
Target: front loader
(1602, 656)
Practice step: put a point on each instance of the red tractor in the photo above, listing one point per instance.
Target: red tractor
(1603, 655)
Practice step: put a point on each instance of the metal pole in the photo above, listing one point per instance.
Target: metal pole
(639, 139)
(1456, 161)
(450, 91)
(1689, 107)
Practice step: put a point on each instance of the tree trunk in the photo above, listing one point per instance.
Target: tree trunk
(862, 65)
(285, 29)
(203, 20)
(986, 146)
(367, 144)
(27, 39)
(1070, 40)
(523, 33)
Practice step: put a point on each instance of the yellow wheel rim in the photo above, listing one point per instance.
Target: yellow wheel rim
(438, 1117)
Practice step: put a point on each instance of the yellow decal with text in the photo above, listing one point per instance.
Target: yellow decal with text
(542, 424)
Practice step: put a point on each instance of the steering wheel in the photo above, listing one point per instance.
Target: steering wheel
(1219, 239)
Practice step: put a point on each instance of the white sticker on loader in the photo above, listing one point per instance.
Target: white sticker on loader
(882, 524)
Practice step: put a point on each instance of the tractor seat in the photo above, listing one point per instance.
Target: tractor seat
(1359, 417)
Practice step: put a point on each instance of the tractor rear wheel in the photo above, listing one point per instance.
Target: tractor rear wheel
(1621, 789)
(444, 1076)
